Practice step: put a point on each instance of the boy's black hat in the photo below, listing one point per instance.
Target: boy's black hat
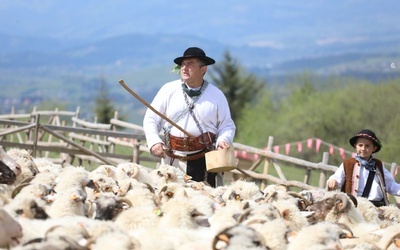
(194, 52)
(368, 134)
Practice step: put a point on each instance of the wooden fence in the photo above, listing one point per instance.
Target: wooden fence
(62, 137)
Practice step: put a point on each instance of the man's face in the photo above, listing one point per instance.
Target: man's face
(192, 71)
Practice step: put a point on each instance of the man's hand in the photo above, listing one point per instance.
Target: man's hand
(158, 150)
(222, 145)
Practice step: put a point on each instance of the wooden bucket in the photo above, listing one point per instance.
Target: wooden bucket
(221, 160)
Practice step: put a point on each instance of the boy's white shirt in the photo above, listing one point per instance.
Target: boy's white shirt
(376, 193)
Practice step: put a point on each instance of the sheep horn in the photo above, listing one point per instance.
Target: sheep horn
(244, 215)
(353, 199)
(282, 187)
(343, 204)
(269, 196)
(123, 199)
(27, 179)
(220, 237)
(18, 189)
(297, 195)
(395, 240)
(135, 171)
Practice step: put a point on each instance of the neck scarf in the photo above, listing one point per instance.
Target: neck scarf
(192, 92)
(368, 164)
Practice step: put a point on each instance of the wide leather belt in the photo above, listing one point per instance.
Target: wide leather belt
(191, 143)
(202, 143)
(189, 157)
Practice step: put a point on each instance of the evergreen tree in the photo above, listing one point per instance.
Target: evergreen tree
(104, 107)
(238, 87)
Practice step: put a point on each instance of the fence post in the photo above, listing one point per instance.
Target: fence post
(267, 162)
(307, 176)
(35, 141)
(136, 152)
(322, 176)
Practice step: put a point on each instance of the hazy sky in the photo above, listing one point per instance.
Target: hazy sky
(257, 22)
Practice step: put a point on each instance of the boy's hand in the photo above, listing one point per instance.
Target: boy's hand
(332, 184)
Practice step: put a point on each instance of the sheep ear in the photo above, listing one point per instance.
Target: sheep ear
(286, 214)
(170, 176)
(91, 184)
(187, 178)
(245, 205)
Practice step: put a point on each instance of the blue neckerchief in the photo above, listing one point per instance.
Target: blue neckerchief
(368, 164)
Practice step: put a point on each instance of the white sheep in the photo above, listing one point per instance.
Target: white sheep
(136, 171)
(275, 233)
(9, 162)
(45, 165)
(238, 237)
(141, 195)
(380, 238)
(116, 240)
(72, 177)
(106, 206)
(368, 210)
(323, 235)
(389, 214)
(227, 215)
(26, 162)
(70, 202)
(77, 227)
(291, 214)
(142, 217)
(166, 174)
(183, 214)
(102, 184)
(243, 190)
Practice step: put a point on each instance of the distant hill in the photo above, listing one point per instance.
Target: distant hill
(59, 50)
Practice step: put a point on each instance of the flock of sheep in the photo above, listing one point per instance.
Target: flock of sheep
(49, 206)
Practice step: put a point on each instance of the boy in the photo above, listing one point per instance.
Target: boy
(365, 175)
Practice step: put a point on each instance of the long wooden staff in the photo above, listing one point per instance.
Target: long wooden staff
(153, 109)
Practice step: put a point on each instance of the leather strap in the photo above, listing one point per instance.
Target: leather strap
(367, 188)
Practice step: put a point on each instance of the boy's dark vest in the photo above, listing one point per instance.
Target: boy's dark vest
(348, 165)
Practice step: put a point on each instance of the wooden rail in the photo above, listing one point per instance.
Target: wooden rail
(93, 143)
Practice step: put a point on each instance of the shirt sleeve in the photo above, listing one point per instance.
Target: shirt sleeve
(392, 187)
(152, 122)
(339, 175)
(225, 126)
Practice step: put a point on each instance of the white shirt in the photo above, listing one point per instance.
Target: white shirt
(376, 193)
(211, 109)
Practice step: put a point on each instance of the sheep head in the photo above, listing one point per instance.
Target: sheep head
(337, 204)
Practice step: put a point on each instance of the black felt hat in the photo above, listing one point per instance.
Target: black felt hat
(368, 134)
(194, 52)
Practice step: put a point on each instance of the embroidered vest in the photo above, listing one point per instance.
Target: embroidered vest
(348, 165)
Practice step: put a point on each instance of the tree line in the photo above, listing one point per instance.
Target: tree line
(304, 106)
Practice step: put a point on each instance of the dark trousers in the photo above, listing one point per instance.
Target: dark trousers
(198, 171)
(378, 203)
